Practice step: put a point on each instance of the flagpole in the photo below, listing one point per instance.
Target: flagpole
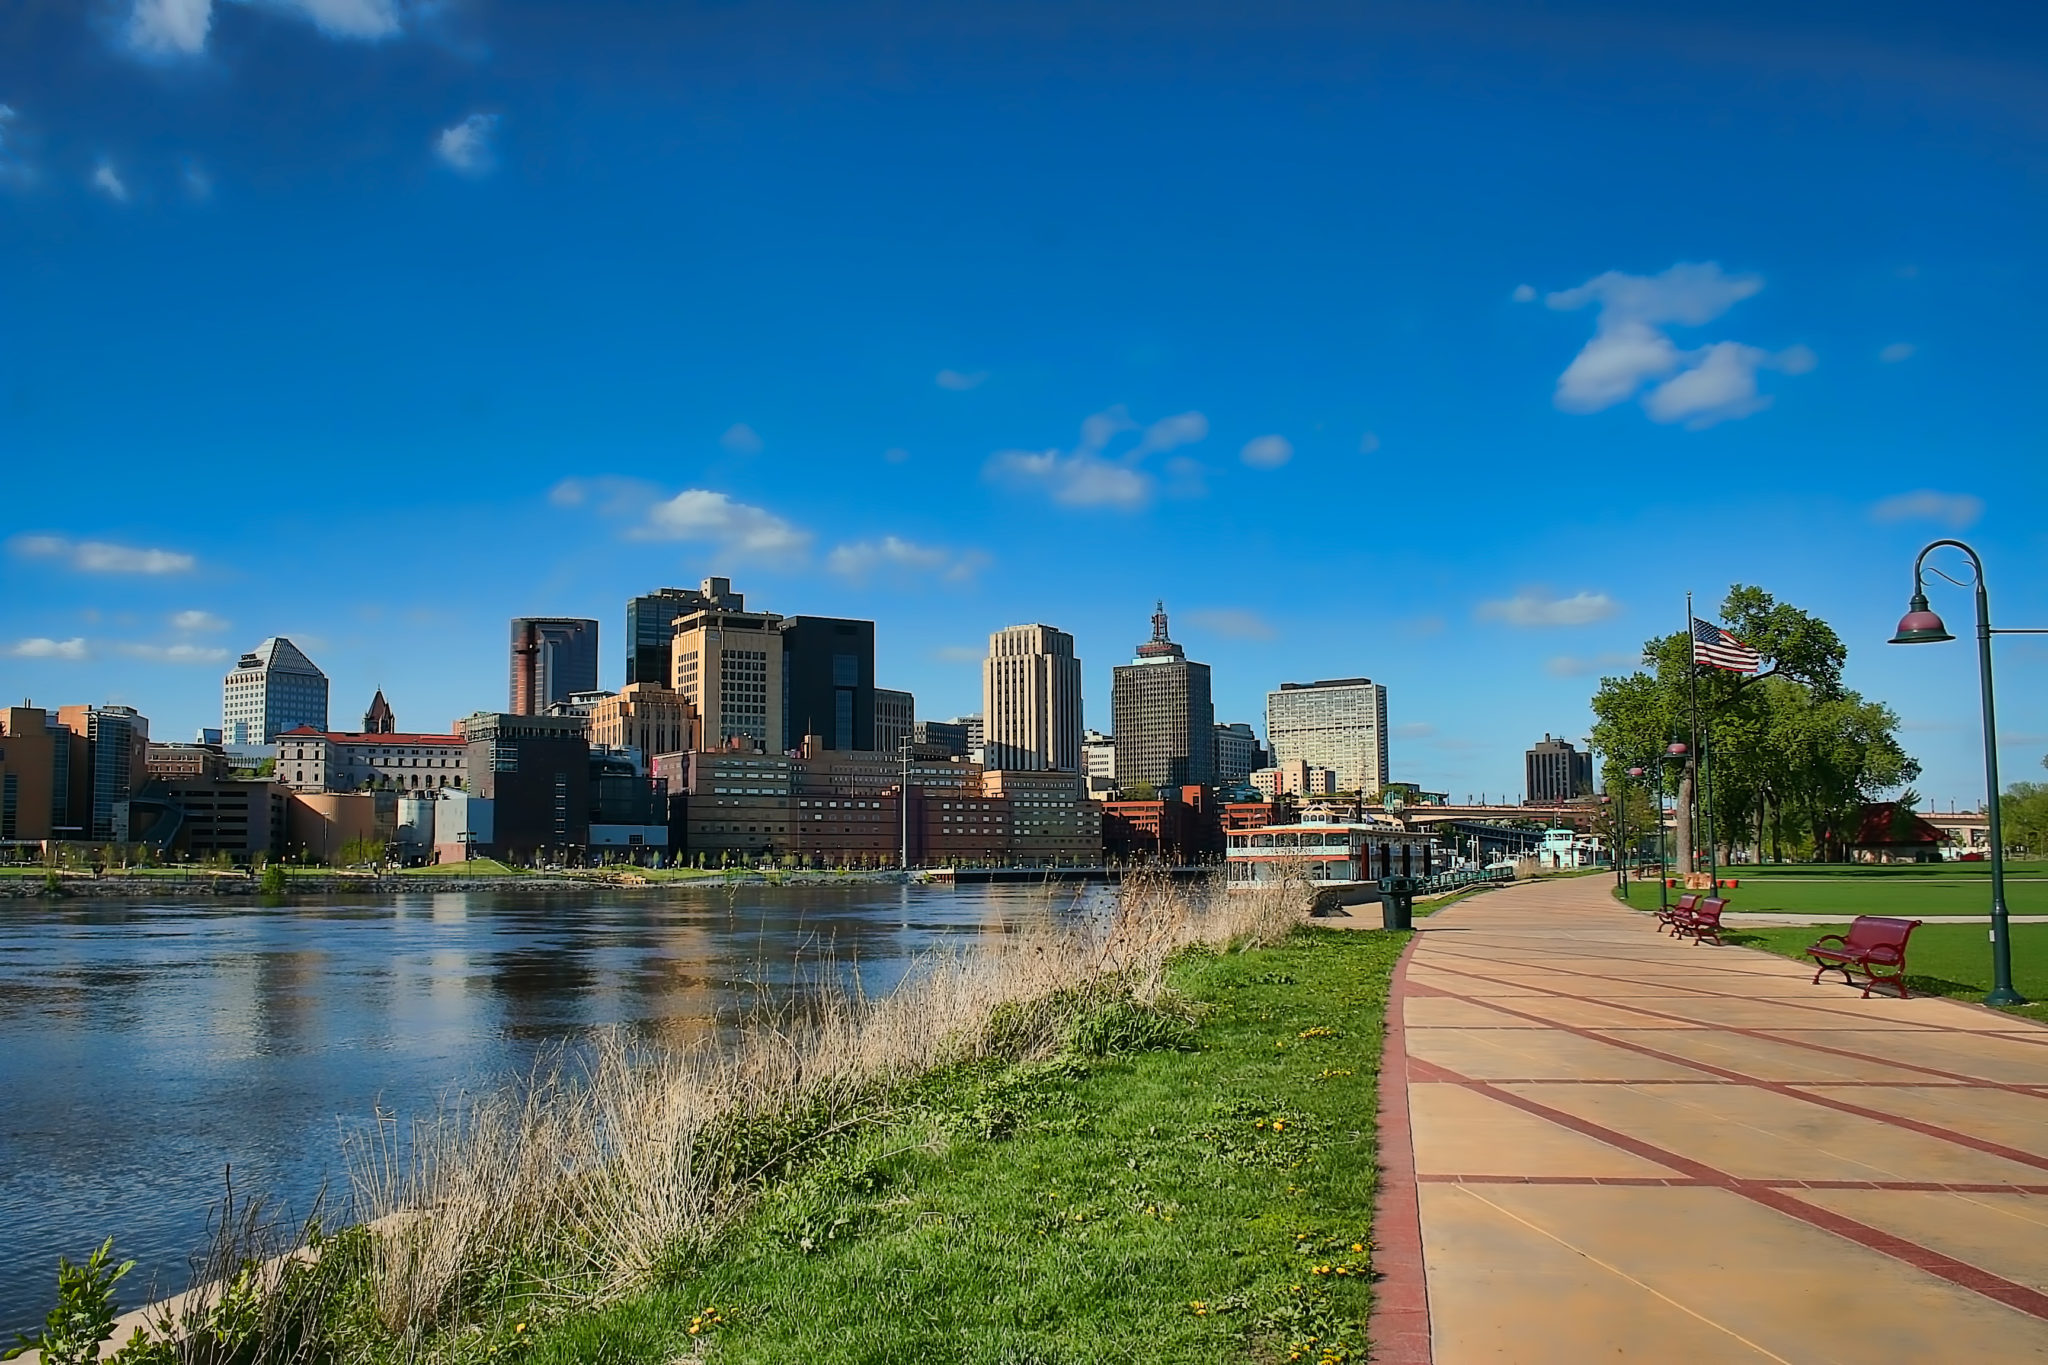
(1692, 688)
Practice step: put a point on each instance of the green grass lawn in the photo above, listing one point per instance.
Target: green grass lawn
(473, 867)
(1941, 959)
(1209, 1204)
(1876, 891)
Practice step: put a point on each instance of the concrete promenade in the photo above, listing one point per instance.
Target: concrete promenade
(1601, 1144)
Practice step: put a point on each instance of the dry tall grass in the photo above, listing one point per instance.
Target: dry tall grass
(595, 1176)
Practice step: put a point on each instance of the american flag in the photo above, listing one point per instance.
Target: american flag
(1716, 648)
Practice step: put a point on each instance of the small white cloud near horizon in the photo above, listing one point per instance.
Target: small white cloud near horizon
(1536, 606)
(1232, 623)
(179, 28)
(197, 620)
(736, 528)
(959, 381)
(859, 560)
(1087, 475)
(1897, 351)
(1568, 666)
(1956, 511)
(174, 654)
(41, 647)
(98, 556)
(1524, 293)
(108, 181)
(1631, 348)
(1267, 452)
(741, 439)
(467, 146)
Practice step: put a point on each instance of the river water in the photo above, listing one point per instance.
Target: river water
(145, 1049)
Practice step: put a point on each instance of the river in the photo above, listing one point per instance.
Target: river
(145, 1049)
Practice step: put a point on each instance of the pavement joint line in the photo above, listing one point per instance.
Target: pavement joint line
(1619, 1273)
(1960, 1273)
(1790, 1090)
(1739, 1030)
(1398, 1335)
(1692, 1182)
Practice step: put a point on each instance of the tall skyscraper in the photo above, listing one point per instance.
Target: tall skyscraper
(651, 626)
(117, 762)
(1557, 772)
(895, 717)
(1338, 723)
(1165, 722)
(552, 656)
(828, 681)
(728, 663)
(1031, 700)
(273, 688)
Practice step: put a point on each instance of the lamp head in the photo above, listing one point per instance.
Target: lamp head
(1920, 626)
(1676, 748)
(1635, 772)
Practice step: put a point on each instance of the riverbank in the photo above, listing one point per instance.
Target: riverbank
(159, 883)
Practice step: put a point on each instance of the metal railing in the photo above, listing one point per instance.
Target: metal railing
(1461, 878)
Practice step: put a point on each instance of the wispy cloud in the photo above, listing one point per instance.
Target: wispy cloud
(11, 166)
(1631, 347)
(861, 560)
(1267, 452)
(197, 621)
(179, 28)
(1537, 606)
(174, 654)
(1957, 511)
(1569, 666)
(1897, 351)
(960, 381)
(958, 654)
(737, 529)
(108, 182)
(98, 556)
(469, 147)
(1233, 623)
(38, 647)
(1414, 729)
(741, 439)
(1090, 475)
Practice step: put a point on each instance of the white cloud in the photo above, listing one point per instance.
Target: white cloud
(1897, 351)
(1414, 729)
(179, 28)
(958, 654)
(1368, 443)
(1089, 476)
(736, 528)
(896, 455)
(1539, 607)
(466, 146)
(1232, 623)
(1524, 293)
(38, 647)
(197, 620)
(97, 556)
(1630, 347)
(108, 182)
(741, 439)
(198, 184)
(1267, 452)
(174, 654)
(1957, 511)
(10, 167)
(1567, 666)
(959, 382)
(861, 559)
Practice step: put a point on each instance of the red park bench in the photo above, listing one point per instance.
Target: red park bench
(1876, 944)
(1703, 923)
(1671, 915)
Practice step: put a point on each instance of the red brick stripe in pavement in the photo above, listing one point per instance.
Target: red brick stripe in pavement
(1397, 1330)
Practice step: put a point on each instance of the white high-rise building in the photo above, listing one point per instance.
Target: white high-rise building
(1098, 764)
(273, 688)
(1338, 723)
(1031, 700)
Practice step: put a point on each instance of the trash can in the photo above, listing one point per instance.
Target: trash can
(1397, 901)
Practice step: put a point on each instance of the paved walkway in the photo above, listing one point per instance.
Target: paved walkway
(1604, 1145)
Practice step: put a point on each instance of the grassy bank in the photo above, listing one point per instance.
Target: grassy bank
(1146, 1137)
(1941, 959)
(1872, 891)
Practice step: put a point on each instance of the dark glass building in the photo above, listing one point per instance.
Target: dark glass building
(552, 656)
(1165, 722)
(651, 628)
(1557, 772)
(828, 681)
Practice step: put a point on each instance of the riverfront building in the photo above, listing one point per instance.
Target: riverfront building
(1556, 773)
(1323, 853)
(827, 684)
(310, 760)
(36, 766)
(1238, 753)
(645, 719)
(728, 664)
(1337, 723)
(535, 772)
(1031, 701)
(1165, 723)
(273, 688)
(651, 626)
(551, 657)
(116, 752)
(895, 719)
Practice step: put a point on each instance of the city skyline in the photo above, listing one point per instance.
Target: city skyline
(964, 319)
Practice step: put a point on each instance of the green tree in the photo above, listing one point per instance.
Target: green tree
(2024, 811)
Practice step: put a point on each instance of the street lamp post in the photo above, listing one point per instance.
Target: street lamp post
(1674, 755)
(1634, 774)
(1920, 626)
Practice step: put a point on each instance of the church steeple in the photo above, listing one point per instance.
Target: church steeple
(378, 720)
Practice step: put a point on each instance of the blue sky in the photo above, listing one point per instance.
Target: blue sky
(1446, 344)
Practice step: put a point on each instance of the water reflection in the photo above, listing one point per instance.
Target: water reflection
(145, 1049)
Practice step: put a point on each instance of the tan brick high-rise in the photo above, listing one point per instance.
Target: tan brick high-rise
(1031, 700)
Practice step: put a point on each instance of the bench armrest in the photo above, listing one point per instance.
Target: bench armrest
(1826, 937)
(1885, 953)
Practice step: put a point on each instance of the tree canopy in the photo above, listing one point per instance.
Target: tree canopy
(1792, 753)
